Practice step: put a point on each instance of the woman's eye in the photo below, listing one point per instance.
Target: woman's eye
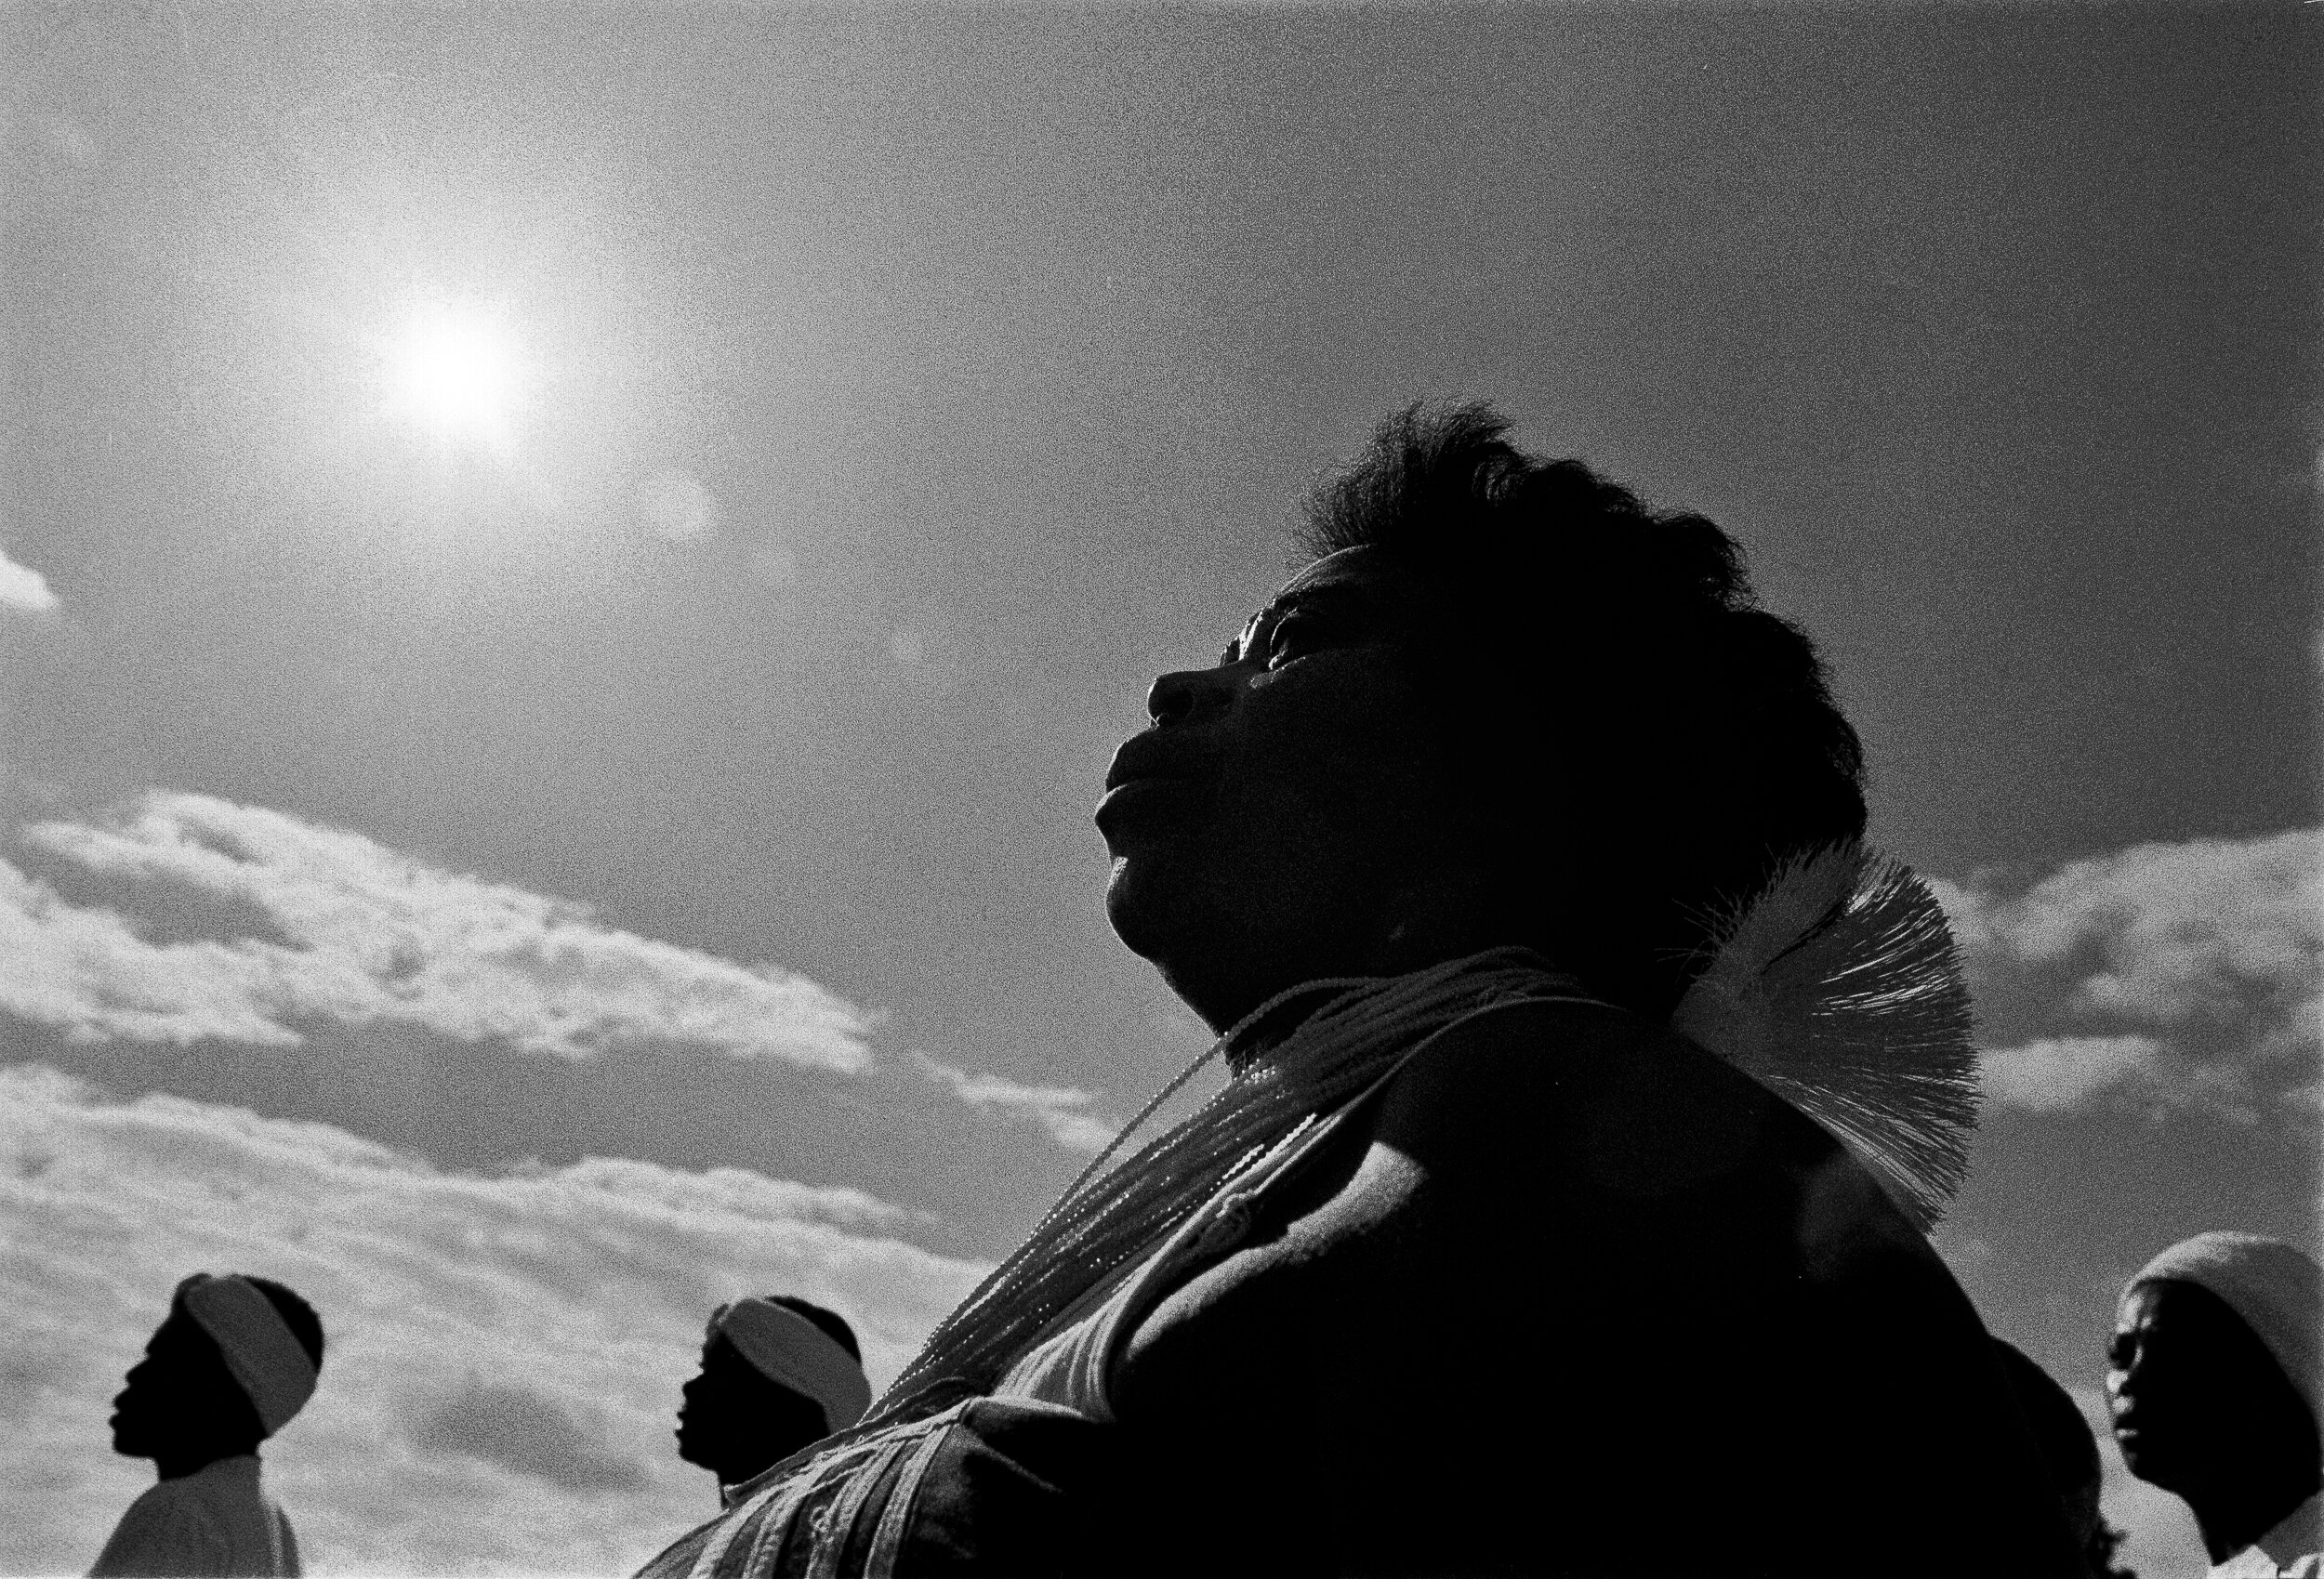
(1293, 637)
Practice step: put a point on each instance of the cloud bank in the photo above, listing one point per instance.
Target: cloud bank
(2186, 974)
(2060, 1073)
(24, 588)
(505, 1353)
(320, 922)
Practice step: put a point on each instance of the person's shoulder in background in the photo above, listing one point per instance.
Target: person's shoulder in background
(168, 1533)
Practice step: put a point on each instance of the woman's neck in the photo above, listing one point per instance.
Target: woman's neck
(193, 1461)
(1263, 1035)
(1273, 1021)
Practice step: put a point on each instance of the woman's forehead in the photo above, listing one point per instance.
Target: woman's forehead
(2173, 1302)
(1359, 563)
(2137, 1306)
(176, 1333)
(1349, 574)
(1346, 571)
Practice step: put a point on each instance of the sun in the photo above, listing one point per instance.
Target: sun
(455, 373)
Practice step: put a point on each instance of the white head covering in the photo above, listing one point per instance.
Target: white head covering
(263, 1353)
(2277, 1289)
(790, 1350)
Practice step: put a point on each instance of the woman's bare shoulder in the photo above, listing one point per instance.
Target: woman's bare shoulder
(1522, 1125)
(1551, 1095)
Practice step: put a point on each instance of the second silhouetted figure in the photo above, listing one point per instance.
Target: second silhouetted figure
(777, 1373)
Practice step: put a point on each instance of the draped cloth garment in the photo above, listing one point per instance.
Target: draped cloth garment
(1733, 1341)
(2294, 1549)
(218, 1523)
(933, 1477)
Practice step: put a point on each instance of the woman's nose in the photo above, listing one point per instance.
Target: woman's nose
(1188, 696)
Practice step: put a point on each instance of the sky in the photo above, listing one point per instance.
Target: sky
(525, 873)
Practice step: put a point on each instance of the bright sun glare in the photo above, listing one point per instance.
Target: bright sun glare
(455, 373)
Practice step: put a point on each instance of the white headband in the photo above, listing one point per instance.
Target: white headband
(791, 1351)
(260, 1350)
(2275, 1288)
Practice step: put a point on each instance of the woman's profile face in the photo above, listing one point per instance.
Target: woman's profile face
(179, 1391)
(734, 1422)
(2192, 1391)
(1287, 815)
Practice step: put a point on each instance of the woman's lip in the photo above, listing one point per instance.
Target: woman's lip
(1131, 792)
(1144, 781)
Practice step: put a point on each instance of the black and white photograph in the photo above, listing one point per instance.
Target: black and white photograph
(1074, 789)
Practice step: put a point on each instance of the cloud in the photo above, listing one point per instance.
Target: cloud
(530, 1432)
(2199, 965)
(24, 588)
(2177, 930)
(2059, 1073)
(362, 934)
(1061, 1110)
(505, 1352)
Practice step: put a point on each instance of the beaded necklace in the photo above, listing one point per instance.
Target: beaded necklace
(1105, 1218)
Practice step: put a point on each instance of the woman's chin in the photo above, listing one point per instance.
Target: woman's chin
(1155, 909)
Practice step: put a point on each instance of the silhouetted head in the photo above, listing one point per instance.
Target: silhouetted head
(2195, 1395)
(2067, 1448)
(1504, 704)
(2210, 1384)
(182, 1404)
(736, 1419)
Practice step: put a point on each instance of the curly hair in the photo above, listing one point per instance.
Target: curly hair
(1644, 741)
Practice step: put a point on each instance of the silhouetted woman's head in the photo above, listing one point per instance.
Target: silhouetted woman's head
(735, 1419)
(182, 1406)
(1506, 704)
(2212, 1378)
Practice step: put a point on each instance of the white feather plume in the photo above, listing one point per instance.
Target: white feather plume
(1838, 987)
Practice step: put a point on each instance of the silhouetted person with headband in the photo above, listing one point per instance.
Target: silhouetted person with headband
(236, 1358)
(2212, 1377)
(777, 1373)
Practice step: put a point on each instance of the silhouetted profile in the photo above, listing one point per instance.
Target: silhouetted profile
(1513, 851)
(2211, 1376)
(776, 1374)
(2069, 1451)
(234, 1359)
